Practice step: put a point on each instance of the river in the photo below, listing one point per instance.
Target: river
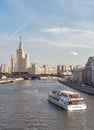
(24, 105)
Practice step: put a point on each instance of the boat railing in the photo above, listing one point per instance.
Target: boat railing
(70, 95)
(76, 102)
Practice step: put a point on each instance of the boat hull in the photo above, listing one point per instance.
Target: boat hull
(67, 107)
(57, 103)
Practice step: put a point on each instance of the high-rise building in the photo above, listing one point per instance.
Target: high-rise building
(20, 62)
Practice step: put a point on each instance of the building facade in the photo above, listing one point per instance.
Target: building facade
(20, 62)
(45, 69)
(77, 74)
(64, 70)
(4, 68)
(88, 72)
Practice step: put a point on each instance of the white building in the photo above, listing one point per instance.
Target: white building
(53, 70)
(45, 69)
(4, 68)
(20, 62)
(64, 70)
(34, 69)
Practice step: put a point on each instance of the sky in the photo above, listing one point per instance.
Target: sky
(53, 31)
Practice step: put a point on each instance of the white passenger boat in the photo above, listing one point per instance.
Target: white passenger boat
(68, 100)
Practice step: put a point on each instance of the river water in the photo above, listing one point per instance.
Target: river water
(24, 106)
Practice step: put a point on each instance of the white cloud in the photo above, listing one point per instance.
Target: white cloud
(70, 37)
(74, 53)
(65, 29)
(53, 30)
(64, 37)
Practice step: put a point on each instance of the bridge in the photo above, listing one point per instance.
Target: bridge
(33, 76)
(38, 76)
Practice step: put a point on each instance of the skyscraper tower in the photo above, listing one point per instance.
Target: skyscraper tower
(20, 62)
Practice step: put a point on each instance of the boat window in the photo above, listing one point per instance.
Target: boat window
(74, 96)
(70, 103)
(76, 102)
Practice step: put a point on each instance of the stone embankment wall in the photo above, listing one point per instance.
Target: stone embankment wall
(85, 89)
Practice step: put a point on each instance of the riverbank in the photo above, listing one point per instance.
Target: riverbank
(9, 80)
(85, 89)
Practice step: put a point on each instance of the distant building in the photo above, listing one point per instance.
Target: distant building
(59, 69)
(34, 69)
(64, 70)
(4, 68)
(53, 70)
(20, 62)
(45, 69)
(88, 72)
(78, 74)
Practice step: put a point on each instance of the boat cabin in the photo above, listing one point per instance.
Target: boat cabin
(66, 94)
(70, 94)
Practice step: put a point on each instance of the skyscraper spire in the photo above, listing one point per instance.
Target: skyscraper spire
(20, 62)
(20, 39)
(20, 45)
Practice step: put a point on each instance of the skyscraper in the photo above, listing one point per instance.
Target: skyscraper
(20, 62)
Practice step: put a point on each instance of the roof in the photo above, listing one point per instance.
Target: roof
(69, 92)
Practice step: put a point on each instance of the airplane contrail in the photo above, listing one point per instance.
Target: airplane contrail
(21, 27)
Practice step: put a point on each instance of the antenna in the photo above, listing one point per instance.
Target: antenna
(20, 39)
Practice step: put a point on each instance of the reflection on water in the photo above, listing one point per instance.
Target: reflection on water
(24, 106)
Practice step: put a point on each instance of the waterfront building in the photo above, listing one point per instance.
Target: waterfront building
(20, 61)
(53, 70)
(59, 69)
(77, 74)
(88, 72)
(41, 70)
(64, 70)
(45, 69)
(71, 68)
(4, 68)
(35, 69)
(67, 73)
